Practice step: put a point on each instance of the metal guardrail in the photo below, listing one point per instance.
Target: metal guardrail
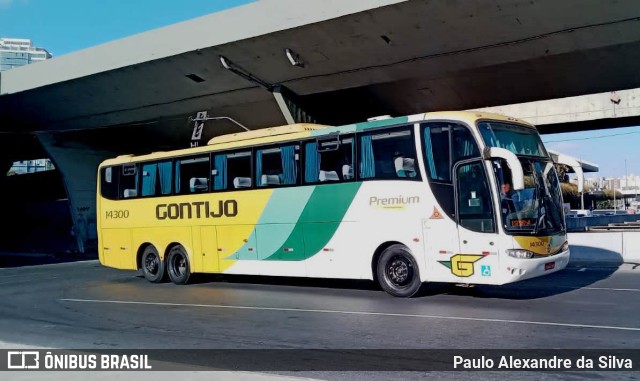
(617, 226)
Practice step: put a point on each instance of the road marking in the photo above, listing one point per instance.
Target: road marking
(386, 314)
(559, 287)
(609, 289)
(28, 280)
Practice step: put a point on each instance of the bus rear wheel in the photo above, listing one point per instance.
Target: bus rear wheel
(398, 272)
(152, 266)
(178, 265)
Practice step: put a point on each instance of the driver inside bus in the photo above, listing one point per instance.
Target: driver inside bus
(506, 198)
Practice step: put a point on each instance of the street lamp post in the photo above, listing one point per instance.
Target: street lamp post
(626, 183)
(614, 197)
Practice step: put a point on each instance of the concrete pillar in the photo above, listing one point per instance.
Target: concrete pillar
(289, 105)
(78, 164)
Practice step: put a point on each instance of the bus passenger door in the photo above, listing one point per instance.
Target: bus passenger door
(477, 230)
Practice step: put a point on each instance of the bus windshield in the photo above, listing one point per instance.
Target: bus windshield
(518, 139)
(537, 209)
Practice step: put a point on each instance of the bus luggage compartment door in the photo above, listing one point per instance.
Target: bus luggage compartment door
(116, 246)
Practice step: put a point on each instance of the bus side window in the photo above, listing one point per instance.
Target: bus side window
(329, 160)
(437, 151)
(192, 175)
(129, 181)
(231, 171)
(444, 144)
(109, 182)
(388, 155)
(463, 145)
(156, 179)
(277, 166)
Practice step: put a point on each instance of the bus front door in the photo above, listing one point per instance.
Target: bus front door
(477, 231)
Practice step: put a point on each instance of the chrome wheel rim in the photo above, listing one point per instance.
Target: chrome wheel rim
(152, 264)
(399, 271)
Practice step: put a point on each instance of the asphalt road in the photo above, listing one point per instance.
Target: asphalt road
(84, 305)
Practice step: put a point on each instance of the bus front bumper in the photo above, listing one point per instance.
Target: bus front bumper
(521, 269)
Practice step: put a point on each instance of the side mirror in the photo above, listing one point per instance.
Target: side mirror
(517, 174)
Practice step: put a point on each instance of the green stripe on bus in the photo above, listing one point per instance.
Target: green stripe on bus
(283, 209)
(318, 222)
(381, 123)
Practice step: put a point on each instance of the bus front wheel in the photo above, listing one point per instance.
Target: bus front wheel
(398, 272)
(152, 266)
(178, 265)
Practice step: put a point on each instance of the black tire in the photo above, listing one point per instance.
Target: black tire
(178, 265)
(398, 272)
(153, 267)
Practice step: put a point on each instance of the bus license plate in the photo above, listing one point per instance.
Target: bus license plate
(549, 266)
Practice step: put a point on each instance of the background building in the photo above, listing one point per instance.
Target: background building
(630, 183)
(31, 166)
(15, 52)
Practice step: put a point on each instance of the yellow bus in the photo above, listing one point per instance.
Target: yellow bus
(459, 197)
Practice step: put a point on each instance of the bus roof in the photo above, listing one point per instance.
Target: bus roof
(306, 130)
(266, 132)
(285, 132)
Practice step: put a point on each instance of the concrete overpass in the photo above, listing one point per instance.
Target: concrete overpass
(352, 60)
(584, 112)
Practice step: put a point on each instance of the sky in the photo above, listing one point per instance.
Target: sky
(607, 148)
(65, 26)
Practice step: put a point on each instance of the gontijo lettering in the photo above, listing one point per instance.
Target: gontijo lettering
(197, 209)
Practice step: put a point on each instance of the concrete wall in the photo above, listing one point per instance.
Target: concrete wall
(603, 247)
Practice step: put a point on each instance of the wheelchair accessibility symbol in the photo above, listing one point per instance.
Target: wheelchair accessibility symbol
(485, 270)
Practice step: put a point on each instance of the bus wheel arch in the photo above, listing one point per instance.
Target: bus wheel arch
(397, 271)
(178, 264)
(151, 263)
(376, 257)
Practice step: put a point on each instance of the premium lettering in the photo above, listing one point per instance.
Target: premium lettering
(390, 201)
(197, 209)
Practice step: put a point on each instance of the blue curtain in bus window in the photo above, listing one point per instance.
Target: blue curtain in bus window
(428, 147)
(488, 136)
(165, 177)
(220, 179)
(312, 163)
(149, 179)
(289, 167)
(177, 177)
(468, 149)
(259, 168)
(367, 160)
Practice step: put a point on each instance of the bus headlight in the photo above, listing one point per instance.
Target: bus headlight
(520, 253)
(565, 247)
